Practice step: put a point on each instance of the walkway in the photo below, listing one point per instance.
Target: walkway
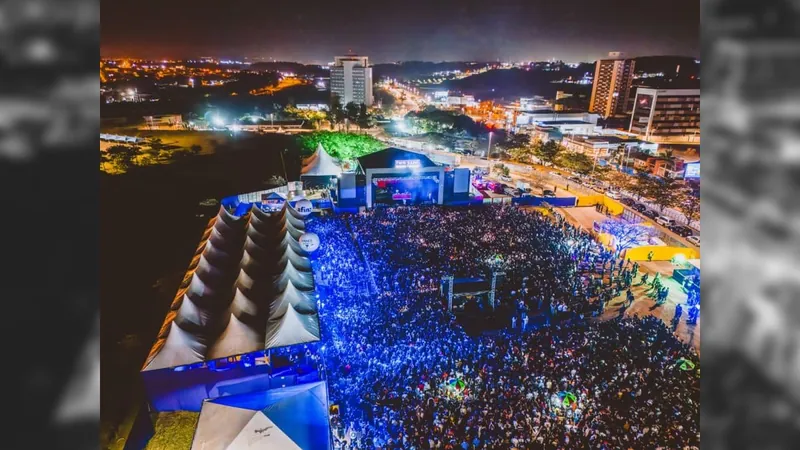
(644, 305)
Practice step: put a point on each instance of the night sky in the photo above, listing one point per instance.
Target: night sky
(314, 31)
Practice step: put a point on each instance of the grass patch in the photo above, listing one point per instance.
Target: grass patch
(173, 431)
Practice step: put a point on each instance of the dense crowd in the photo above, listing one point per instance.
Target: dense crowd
(406, 375)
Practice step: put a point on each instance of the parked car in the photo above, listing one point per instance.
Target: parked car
(627, 201)
(505, 178)
(613, 194)
(650, 213)
(681, 230)
(666, 221)
(694, 240)
(499, 188)
(576, 180)
(548, 193)
(510, 191)
(639, 207)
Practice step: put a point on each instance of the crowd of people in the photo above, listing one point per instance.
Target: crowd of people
(405, 375)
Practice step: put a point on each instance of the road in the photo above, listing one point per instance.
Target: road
(540, 174)
(548, 178)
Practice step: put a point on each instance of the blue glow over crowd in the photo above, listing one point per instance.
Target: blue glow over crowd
(406, 375)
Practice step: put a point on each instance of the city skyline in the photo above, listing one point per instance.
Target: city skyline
(582, 31)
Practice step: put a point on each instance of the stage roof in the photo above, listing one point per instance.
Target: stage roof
(249, 287)
(388, 159)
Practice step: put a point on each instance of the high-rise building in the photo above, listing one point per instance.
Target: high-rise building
(351, 79)
(611, 85)
(667, 115)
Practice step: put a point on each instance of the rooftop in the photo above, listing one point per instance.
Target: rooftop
(389, 157)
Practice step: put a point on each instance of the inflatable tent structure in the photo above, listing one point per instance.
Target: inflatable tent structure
(249, 290)
(291, 418)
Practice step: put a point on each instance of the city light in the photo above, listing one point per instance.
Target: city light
(217, 121)
(679, 259)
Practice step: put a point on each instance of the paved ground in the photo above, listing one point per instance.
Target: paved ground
(584, 216)
(643, 304)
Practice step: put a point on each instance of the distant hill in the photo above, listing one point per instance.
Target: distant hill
(415, 69)
(514, 83)
(288, 66)
(668, 64)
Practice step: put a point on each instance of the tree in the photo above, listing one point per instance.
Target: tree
(577, 162)
(547, 151)
(521, 154)
(642, 186)
(691, 207)
(502, 169)
(619, 180)
(156, 144)
(335, 114)
(351, 114)
(515, 140)
(313, 117)
(195, 149)
(123, 156)
(665, 194)
(365, 119)
(104, 159)
(626, 235)
(343, 146)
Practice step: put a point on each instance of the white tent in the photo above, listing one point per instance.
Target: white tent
(320, 164)
(178, 348)
(290, 418)
(248, 288)
(299, 301)
(237, 339)
(292, 328)
(314, 155)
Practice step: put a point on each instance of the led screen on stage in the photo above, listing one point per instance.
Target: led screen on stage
(461, 182)
(692, 170)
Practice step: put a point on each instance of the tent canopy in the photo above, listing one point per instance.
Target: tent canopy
(320, 164)
(248, 288)
(295, 417)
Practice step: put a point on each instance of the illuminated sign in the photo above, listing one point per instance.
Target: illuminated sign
(407, 163)
(692, 170)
